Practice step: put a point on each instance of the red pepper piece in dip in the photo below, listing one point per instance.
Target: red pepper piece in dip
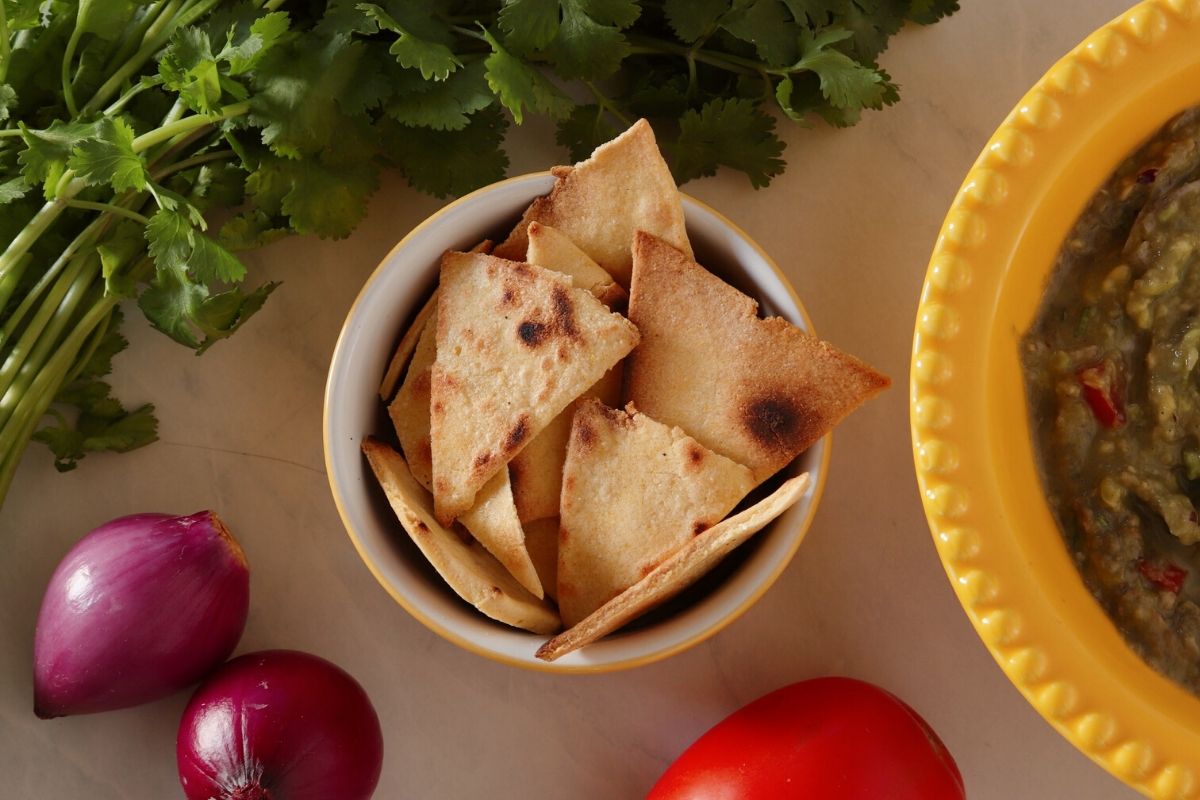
(1101, 392)
(1167, 577)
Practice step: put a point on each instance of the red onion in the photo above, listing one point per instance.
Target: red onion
(279, 725)
(141, 607)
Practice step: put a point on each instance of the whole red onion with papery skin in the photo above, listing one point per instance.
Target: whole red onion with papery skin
(279, 725)
(140, 608)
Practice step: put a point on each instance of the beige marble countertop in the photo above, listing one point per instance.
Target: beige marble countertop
(852, 222)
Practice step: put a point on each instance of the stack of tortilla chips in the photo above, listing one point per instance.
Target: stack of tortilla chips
(566, 464)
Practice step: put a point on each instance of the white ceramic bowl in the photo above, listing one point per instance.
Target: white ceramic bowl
(391, 296)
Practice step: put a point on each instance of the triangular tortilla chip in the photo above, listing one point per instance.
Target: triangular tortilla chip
(678, 571)
(515, 344)
(493, 519)
(536, 472)
(625, 186)
(541, 538)
(759, 391)
(552, 249)
(408, 342)
(470, 570)
(634, 490)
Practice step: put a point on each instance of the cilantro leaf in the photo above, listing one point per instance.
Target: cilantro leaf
(732, 132)
(221, 315)
(110, 344)
(169, 235)
(768, 25)
(8, 99)
(871, 23)
(212, 263)
(590, 44)
(250, 229)
(927, 12)
(177, 246)
(12, 190)
(529, 24)
(169, 303)
(102, 422)
(317, 196)
(433, 59)
(448, 104)
(583, 131)
(451, 162)
(44, 158)
(189, 68)
(845, 83)
(107, 157)
(246, 45)
(692, 19)
(297, 90)
(104, 18)
(23, 14)
(519, 85)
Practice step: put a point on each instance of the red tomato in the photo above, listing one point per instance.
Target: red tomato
(823, 739)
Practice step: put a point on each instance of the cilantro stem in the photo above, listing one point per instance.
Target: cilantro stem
(85, 356)
(649, 45)
(154, 12)
(11, 132)
(108, 208)
(187, 125)
(130, 93)
(67, 59)
(194, 161)
(43, 219)
(43, 331)
(85, 237)
(607, 104)
(36, 398)
(5, 46)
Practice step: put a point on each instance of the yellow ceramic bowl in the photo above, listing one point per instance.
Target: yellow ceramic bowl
(975, 464)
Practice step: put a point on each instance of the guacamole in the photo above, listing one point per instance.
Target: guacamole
(1112, 371)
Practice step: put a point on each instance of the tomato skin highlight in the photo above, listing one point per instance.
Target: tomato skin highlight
(823, 738)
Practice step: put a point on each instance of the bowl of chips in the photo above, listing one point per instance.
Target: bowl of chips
(578, 449)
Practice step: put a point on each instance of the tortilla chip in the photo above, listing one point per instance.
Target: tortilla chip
(634, 490)
(541, 539)
(470, 570)
(550, 248)
(625, 186)
(759, 391)
(678, 571)
(536, 472)
(515, 344)
(408, 342)
(406, 348)
(493, 519)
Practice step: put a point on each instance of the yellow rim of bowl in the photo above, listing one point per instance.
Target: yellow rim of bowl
(985, 557)
(554, 667)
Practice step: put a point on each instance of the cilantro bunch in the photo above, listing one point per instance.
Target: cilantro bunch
(125, 125)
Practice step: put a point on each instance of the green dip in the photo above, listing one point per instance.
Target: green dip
(1112, 372)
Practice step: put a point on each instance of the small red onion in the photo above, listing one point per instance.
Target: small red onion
(140, 608)
(279, 725)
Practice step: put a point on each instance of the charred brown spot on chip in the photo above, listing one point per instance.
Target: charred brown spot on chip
(421, 383)
(699, 527)
(422, 527)
(569, 483)
(482, 460)
(496, 591)
(584, 435)
(517, 434)
(564, 313)
(775, 422)
(695, 454)
(532, 333)
(562, 538)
